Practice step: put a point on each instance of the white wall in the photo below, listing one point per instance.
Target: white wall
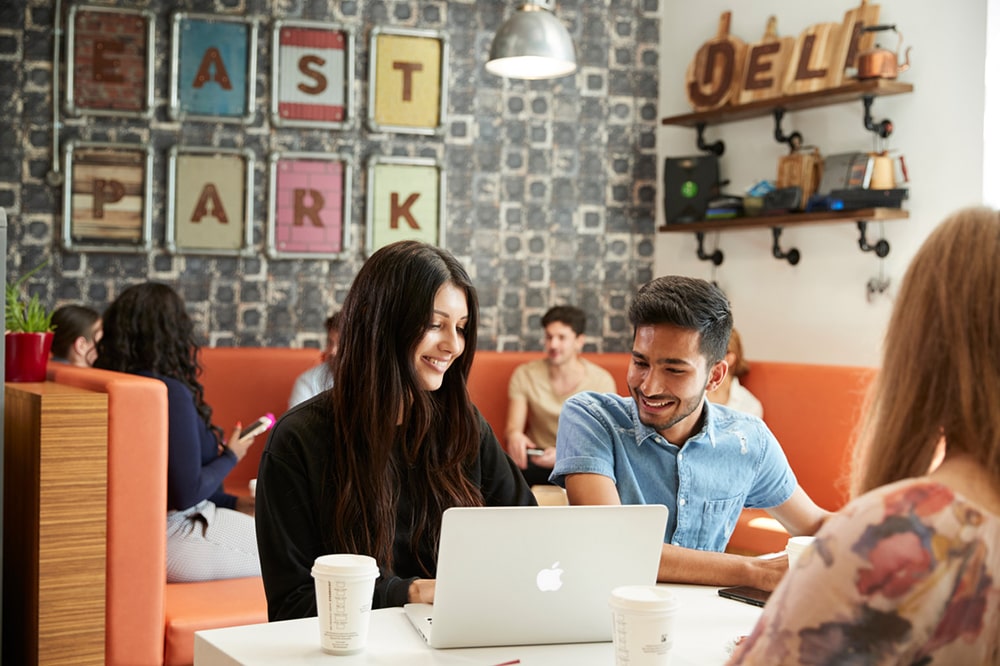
(818, 311)
(991, 133)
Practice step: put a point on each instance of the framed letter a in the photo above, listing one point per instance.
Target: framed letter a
(213, 68)
(210, 201)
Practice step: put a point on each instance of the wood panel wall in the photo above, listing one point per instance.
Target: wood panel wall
(55, 524)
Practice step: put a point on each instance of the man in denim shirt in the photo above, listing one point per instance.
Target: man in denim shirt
(667, 444)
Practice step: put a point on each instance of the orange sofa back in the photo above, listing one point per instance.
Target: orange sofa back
(244, 383)
(137, 516)
(811, 409)
(148, 621)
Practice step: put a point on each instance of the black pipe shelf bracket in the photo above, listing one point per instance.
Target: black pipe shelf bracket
(715, 148)
(881, 246)
(794, 140)
(883, 128)
(792, 255)
(715, 257)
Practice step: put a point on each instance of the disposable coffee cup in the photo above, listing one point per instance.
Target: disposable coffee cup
(794, 548)
(642, 624)
(344, 587)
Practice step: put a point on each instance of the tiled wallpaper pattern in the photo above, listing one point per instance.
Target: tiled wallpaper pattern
(550, 184)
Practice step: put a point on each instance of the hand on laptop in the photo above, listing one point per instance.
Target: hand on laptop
(422, 591)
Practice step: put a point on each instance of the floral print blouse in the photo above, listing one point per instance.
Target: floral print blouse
(906, 574)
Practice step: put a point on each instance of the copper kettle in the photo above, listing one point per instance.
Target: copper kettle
(879, 63)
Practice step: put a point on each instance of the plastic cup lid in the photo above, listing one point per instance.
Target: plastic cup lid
(345, 564)
(643, 598)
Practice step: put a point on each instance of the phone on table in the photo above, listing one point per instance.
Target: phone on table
(746, 594)
(260, 426)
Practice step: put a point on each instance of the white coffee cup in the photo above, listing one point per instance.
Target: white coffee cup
(344, 587)
(253, 487)
(642, 624)
(794, 548)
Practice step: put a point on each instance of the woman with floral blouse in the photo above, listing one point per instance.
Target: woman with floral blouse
(907, 573)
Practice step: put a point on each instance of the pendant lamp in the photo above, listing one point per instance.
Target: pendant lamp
(532, 44)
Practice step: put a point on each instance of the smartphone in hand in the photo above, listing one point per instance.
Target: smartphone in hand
(260, 426)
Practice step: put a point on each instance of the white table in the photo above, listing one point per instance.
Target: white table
(706, 625)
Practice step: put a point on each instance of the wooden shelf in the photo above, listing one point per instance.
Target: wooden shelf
(850, 92)
(789, 220)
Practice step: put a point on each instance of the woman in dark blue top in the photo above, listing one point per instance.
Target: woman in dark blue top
(210, 534)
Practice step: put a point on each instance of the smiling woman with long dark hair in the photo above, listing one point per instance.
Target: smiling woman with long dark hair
(370, 466)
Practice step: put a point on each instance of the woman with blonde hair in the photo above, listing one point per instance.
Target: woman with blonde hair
(908, 572)
(730, 392)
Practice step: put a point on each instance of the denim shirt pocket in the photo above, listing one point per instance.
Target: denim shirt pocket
(718, 520)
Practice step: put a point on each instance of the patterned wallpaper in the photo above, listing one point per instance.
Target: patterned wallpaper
(550, 184)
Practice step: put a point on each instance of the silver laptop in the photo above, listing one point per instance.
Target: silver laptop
(536, 575)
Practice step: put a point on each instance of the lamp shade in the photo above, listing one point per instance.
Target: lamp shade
(532, 44)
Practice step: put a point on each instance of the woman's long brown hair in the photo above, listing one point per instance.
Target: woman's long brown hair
(941, 367)
(384, 316)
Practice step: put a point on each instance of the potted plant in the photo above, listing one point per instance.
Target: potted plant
(29, 333)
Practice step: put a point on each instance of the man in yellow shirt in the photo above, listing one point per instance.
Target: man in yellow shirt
(539, 388)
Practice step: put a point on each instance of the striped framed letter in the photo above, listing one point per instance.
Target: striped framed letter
(312, 80)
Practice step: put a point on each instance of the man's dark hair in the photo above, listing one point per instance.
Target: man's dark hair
(573, 317)
(687, 303)
(70, 322)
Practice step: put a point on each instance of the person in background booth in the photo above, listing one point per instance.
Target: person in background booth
(538, 389)
(667, 444)
(319, 377)
(77, 332)
(730, 392)
(370, 466)
(909, 571)
(210, 534)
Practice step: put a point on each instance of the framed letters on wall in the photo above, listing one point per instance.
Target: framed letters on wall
(106, 197)
(406, 81)
(405, 201)
(110, 56)
(312, 74)
(213, 65)
(209, 201)
(310, 205)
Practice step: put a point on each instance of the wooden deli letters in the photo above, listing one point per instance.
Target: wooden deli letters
(725, 70)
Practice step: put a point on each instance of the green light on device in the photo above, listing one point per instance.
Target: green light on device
(689, 189)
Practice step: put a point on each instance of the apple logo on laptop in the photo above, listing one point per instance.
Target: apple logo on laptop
(549, 580)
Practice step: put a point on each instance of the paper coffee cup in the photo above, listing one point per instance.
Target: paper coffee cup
(344, 587)
(795, 546)
(642, 624)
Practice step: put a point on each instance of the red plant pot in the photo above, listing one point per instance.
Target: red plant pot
(27, 356)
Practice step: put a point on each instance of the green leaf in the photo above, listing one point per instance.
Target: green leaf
(25, 315)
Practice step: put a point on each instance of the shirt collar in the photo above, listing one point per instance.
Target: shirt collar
(707, 431)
